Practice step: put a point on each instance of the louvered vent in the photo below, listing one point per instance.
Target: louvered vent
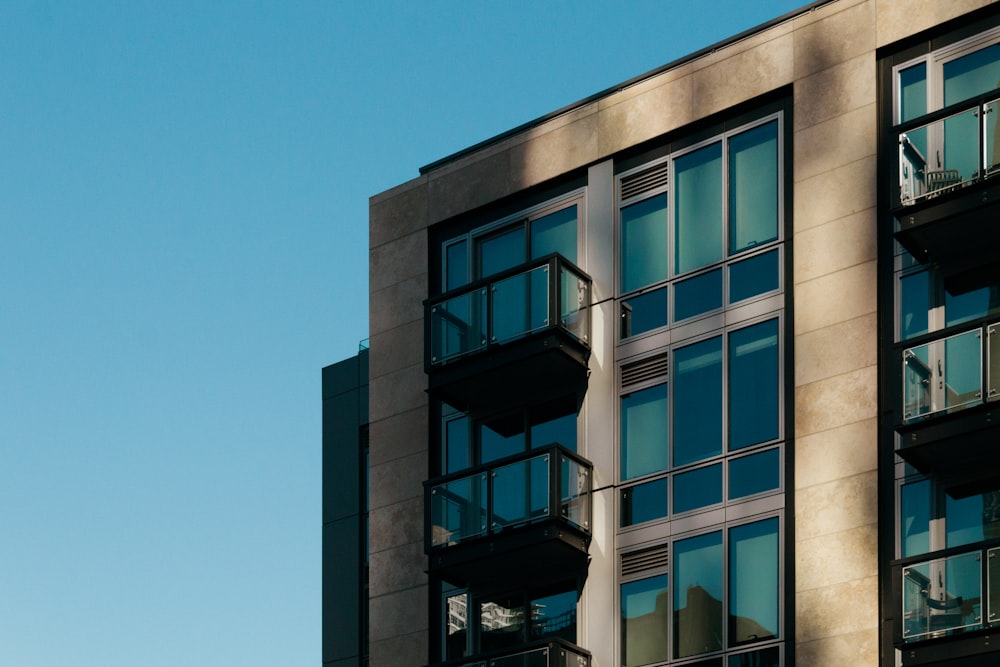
(647, 369)
(644, 181)
(656, 558)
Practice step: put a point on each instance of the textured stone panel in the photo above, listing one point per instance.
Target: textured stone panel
(641, 117)
(397, 569)
(832, 559)
(395, 525)
(836, 610)
(393, 482)
(398, 614)
(836, 453)
(835, 245)
(842, 140)
(553, 153)
(406, 431)
(857, 649)
(836, 506)
(397, 260)
(899, 18)
(835, 91)
(396, 348)
(835, 297)
(832, 35)
(398, 212)
(396, 392)
(742, 76)
(481, 181)
(836, 349)
(840, 400)
(407, 651)
(397, 305)
(836, 194)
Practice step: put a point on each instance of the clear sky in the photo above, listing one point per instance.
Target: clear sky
(183, 245)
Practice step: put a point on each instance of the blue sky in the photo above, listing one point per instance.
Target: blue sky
(183, 245)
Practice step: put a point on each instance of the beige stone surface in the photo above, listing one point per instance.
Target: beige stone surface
(396, 260)
(843, 191)
(397, 569)
(742, 76)
(857, 649)
(842, 399)
(835, 91)
(835, 245)
(833, 34)
(395, 435)
(840, 609)
(398, 524)
(897, 19)
(396, 348)
(397, 212)
(398, 614)
(406, 651)
(836, 558)
(556, 152)
(836, 349)
(836, 506)
(835, 297)
(842, 140)
(394, 482)
(637, 118)
(455, 191)
(397, 392)
(397, 304)
(837, 453)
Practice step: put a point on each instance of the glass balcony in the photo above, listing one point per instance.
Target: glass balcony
(943, 376)
(544, 294)
(943, 596)
(554, 653)
(958, 147)
(512, 492)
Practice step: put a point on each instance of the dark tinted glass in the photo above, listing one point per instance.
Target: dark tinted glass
(457, 259)
(754, 590)
(698, 488)
(644, 243)
(554, 616)
(643, 313)
(753, 384)
(968, 306)
(456, 444)
(502, 251)
(698, 295)
(555, 232)
(554, 424)
(644, 502)
(767, 657)
(698, 208)
(755, 474)
(501, 436)
(501, 623)
(645, 621)
(644, 432)
(753, 187)
(698, 595)
(757, 275)
(915, 518)
(914, 302)
(697, 401)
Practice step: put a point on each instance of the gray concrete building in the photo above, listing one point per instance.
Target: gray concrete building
(700, 370)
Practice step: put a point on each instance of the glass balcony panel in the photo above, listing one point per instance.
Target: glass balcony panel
(993, 585)
(940, 156)
(458, 510)
(520, 492)
(574, 495)
(992, 148)
(574, 297)
(942, 596)
(520, 304)
(534, 658)
(458, 326)
(943, 375)
(993, 380)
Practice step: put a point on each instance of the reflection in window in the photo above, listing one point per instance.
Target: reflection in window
(971, 75)
(697, 401)
(456, 628)
(502, 251)
(753, 187)
(645, 621)
(644, 243)
(698, 208)
(767, 657)
(644, 428)
(698, 488)
(913, 92)
(501, 623)
(698, 595)
(753, 384)
(553, 616)
(644, 502)
(555, 232)
(753, 581)
(501, 436)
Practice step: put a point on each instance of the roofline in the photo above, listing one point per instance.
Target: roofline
(454, 157)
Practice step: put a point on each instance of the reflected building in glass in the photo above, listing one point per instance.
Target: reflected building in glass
(699, 371)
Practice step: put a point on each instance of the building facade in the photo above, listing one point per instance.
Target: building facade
(697, 371)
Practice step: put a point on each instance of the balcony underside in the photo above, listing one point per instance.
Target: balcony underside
(958, 231)
(960, 449)
(543, 365)
(524, 556)
(974, 651)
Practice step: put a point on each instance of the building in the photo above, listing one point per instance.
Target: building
(698, 371)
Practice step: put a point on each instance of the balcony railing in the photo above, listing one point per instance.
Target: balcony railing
(948, 150)
(546, 483)
(552, 653)
(949, 595)
(546, 293)
(949, 374)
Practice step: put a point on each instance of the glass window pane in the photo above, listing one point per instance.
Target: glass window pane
(457, 261)
(756, 473)
(644, 243)
(964, 520)
(913, 93)
(914, 303)
(644, 429)
(767, 657)
(553, 616)
(644, 502)
(753, 187)
(554, 424)
(698, 488)
(757, 275)
(644, 312)
(969, 306)
(971, 75)
(915, 518)
(501, 436)
(644, 621)
(555, 232)
(456, 444)
(753, 385)
(520, 492)
(698, 595)
(501, 252)
(501, 623)
(754, 589)
(697, 405)
(701, 294)
(456, 638)
(698, 208)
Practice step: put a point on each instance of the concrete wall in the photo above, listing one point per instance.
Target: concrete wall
(827, 56)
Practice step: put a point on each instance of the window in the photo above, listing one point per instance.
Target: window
(685, 220)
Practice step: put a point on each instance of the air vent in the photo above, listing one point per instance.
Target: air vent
(656, 558)
(645, 181)
(647, 369)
